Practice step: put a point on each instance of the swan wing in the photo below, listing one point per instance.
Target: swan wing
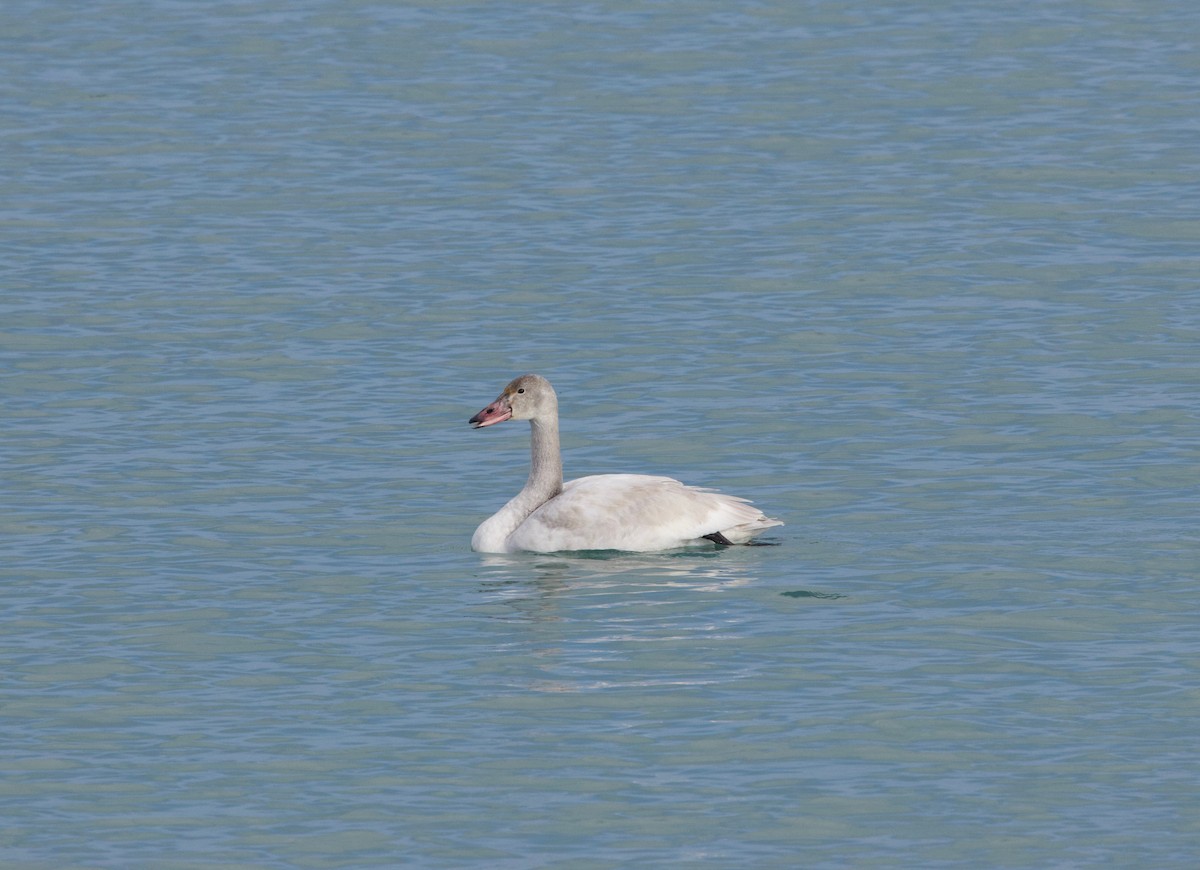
(635, 512)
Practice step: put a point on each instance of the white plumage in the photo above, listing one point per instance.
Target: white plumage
(632, 512)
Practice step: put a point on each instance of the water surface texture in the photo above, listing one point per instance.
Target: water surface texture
(921, 279)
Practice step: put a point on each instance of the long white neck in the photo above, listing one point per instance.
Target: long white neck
(544, 483)
(545, 463)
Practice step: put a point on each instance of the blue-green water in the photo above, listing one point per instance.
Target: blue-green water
(919, 279)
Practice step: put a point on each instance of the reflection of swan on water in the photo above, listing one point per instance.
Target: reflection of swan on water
(588, 623)
(696, 569)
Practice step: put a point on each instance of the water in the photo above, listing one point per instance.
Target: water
(920, 281)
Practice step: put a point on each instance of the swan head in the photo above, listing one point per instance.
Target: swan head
(529, 397)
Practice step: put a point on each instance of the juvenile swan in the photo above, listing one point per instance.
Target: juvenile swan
(633, 512)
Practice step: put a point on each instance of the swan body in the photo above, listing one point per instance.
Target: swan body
(632, 512)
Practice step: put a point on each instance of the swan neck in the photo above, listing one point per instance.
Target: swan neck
(545, 462)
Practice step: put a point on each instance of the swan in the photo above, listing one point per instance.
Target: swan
(632, 512)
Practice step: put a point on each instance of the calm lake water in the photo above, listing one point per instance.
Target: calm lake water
(922, 280)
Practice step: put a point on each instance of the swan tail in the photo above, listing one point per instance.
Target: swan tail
(743, 533)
